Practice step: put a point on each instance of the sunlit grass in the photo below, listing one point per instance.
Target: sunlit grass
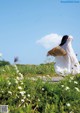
(30, 70)
(24, 91)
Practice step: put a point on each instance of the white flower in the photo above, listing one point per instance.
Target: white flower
(9, 83)
(3, 70)
(67, 88)
(75, 82)
(17, 71)
(71, 78)
(21, 76)
(10, 92)
(22, 93)
(77, 89)
(28, 95)
(68, 104)
(2, 91)
(70, 112)
(15, 67)
(16, 81)
(38, 100)
(21, 83)
(18, 78)
(62, 85)
(42, 89)
(22, 100)
(19, 87)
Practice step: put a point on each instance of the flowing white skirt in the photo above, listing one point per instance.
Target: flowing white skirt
(68, 64)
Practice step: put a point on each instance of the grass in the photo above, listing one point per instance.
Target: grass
(29, 70)
(23, 90)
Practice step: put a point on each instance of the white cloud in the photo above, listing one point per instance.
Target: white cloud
(49, 41)
(0, 54)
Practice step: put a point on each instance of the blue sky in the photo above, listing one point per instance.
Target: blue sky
(23, 22)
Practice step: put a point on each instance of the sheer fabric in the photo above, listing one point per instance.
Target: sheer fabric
(67, 64)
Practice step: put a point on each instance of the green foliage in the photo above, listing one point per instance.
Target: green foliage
(41, 69)
(26, 95)
(29, 70)
(3, 63)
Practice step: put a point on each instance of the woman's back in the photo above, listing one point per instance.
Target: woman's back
(67, 64)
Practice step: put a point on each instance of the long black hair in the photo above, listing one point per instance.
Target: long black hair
(64, 39)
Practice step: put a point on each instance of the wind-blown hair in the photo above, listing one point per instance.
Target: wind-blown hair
(64, 39)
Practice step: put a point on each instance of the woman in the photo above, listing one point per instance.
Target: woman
(67, 64)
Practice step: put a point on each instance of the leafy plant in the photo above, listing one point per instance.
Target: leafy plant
(23, 94)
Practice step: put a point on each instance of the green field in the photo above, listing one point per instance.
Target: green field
(28, 89)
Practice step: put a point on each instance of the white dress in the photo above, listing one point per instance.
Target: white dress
(68, 64)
